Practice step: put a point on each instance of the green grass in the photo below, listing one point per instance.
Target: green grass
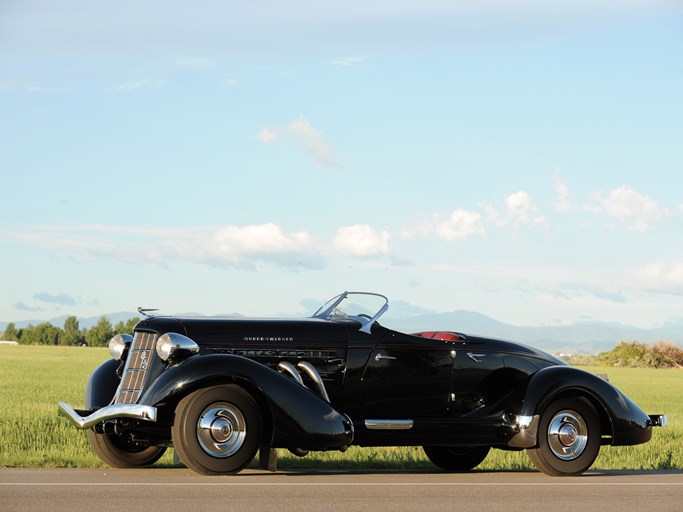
(34, 378)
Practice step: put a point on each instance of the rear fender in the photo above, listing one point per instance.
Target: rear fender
(626, 423)
(301, 419)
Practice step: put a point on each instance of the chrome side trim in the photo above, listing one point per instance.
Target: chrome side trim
(315, 376)
(288, 368)
(388, 424)
(135, 411)
(382, 357)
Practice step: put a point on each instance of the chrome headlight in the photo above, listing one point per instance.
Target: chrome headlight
(118, 345)
(174, 347)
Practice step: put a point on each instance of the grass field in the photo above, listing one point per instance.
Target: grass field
(34, 378)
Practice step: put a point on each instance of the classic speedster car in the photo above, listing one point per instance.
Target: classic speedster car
(220, 389)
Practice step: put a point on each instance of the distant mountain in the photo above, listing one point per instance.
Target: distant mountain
(577, 338)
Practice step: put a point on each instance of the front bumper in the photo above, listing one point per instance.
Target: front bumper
(134, 411)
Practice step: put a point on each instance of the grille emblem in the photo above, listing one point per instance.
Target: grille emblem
(136, 370)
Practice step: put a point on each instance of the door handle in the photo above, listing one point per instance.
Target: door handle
(379, 357)
(477, 358)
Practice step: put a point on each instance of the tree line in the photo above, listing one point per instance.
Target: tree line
(71, 334)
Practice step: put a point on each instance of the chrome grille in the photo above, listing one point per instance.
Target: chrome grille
(137, 368)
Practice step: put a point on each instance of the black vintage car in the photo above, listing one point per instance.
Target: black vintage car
(220, 389)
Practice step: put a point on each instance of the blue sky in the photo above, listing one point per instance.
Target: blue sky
(519, 159)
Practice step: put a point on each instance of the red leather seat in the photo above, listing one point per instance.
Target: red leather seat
(440, 335)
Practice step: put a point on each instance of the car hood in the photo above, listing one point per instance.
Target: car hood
(222, 331)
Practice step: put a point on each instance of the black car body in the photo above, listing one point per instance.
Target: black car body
(220, 389)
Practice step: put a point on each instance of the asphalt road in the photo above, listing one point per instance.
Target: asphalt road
(149, 490)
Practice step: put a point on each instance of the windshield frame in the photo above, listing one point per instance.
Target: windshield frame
(330, 310)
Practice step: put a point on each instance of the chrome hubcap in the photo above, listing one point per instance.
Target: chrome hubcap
(567, 435)
(221, 430)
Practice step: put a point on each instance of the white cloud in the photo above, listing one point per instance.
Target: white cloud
(664, 277)
(13, 86)
(48, 28)
(306, 137)
(312, 141)
(624, 204)
(20, 306)
(563, 201)
(136, 85)
(229, 245)
(233, 243)
(458, 225)
(266, 135)
(520, 211)
(350, 62)
(361, 241)
(61, 299)
(611, 292)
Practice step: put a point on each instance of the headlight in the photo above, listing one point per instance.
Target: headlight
(118, 345)
(174, 347)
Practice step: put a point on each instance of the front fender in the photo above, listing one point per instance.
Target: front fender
(628, 424)
(102, 385)
(301, 419)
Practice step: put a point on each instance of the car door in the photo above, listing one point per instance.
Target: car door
(407, 377)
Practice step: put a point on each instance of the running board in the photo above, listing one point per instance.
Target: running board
(388, 424)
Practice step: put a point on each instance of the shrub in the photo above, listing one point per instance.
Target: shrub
(633, 354)
(670, 351)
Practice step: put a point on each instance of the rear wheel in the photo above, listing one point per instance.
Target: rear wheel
(216, 430)
(121, 453)
(568, 438)
(456, 458)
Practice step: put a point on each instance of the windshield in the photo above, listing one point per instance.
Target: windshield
(363, 307)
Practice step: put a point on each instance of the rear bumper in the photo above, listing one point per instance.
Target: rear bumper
(525, 430)
(134, 411)
(658, 420)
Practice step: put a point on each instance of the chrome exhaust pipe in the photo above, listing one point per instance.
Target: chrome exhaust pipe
(315, 377)
(309, 369)
(288, 368)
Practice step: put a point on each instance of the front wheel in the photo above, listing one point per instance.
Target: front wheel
(216, 430)
(568, 438)
(456, 458)
(120, 453)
